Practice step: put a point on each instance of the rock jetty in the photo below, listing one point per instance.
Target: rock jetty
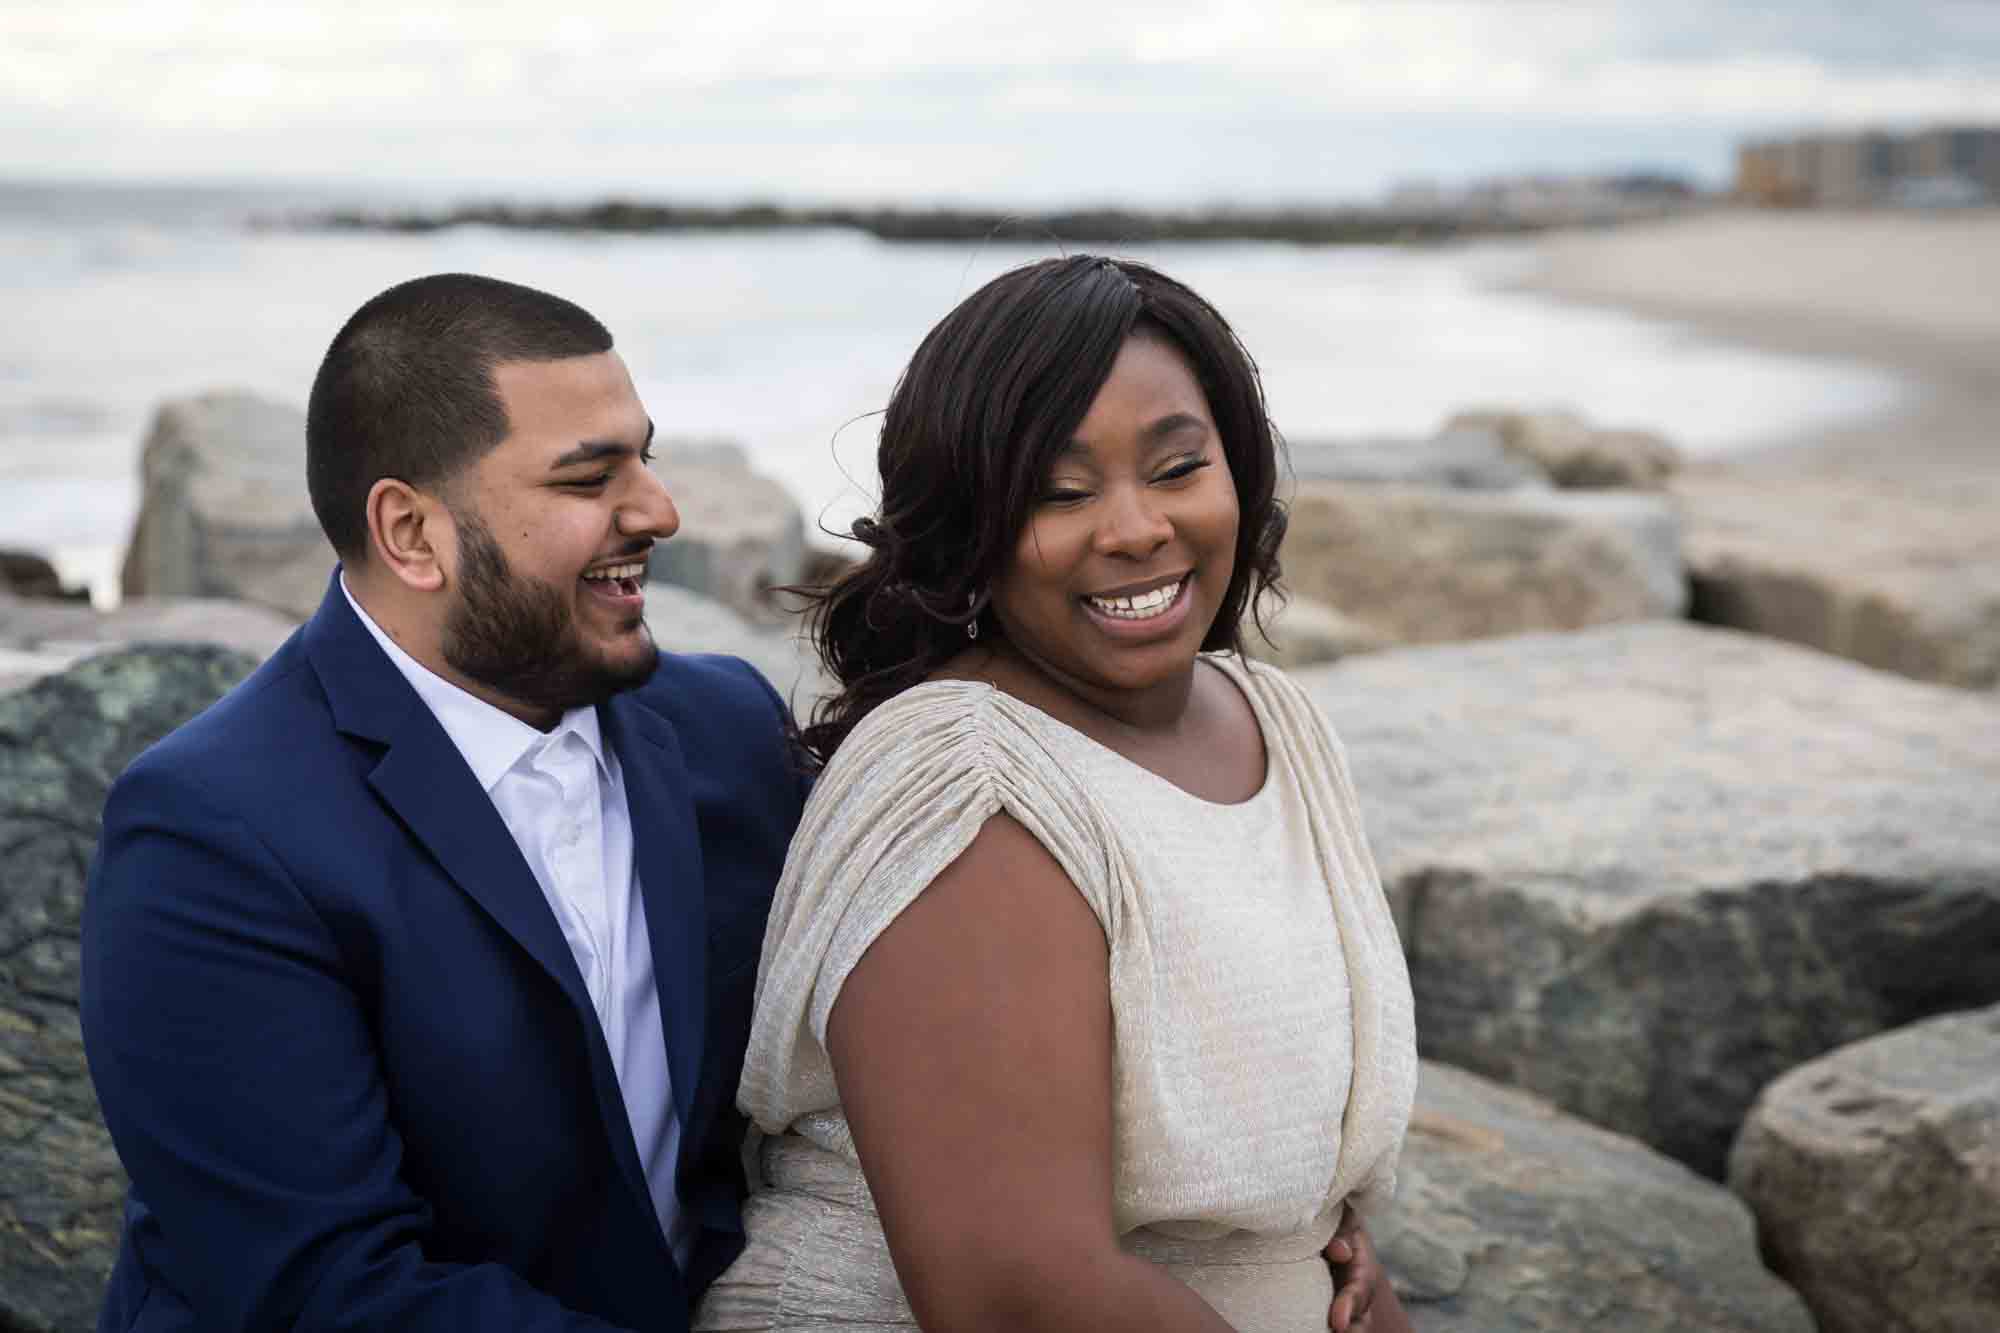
(1683, 888)
(1096, 226)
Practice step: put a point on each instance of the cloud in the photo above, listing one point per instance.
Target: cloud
(954, 98)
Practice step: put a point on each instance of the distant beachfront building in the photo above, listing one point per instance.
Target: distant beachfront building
(1952, 165)
(1547, 197)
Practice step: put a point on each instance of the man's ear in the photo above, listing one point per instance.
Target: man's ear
(408, 531)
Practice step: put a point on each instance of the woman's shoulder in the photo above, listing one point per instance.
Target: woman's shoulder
(940, 733)
(928, 716)
(1276, 694)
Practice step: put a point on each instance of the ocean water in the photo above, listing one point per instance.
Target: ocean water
(787, 342)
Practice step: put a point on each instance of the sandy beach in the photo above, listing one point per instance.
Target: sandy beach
(1915, 294)
(1877, 538)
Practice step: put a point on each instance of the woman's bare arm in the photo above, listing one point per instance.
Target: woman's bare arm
(972, 1046)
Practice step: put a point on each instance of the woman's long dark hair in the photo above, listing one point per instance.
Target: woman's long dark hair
(991, 396)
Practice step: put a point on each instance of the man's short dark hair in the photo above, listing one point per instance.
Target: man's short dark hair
(406, 390)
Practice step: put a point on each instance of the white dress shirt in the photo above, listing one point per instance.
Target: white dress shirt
(562, 796)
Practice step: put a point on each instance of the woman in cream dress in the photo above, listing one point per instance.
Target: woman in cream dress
(1080, 1005)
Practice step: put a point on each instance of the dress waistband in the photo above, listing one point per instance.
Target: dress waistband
(796, 1165)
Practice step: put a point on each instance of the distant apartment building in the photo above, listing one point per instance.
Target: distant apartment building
(1957, 164)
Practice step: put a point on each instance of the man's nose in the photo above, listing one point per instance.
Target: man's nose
(647, 509)
(1133, 523)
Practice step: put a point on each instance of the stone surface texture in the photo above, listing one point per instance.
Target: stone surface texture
(1306, 633)
(1469, 458)
(62, 740)
(41, 638)
(1900, 577)
(1643, 870)
(1888, 1149)
(741, 532)
(1424, 565)
(686, 622)
(1511, 1216)
(223, 510)
(1573, 452)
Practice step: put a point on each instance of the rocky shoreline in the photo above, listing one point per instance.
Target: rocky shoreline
(1093, 226)
(1702, 924)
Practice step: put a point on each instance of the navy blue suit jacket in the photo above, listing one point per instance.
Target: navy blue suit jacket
(341, 1044)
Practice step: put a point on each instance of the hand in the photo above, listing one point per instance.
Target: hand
(1363, 1300)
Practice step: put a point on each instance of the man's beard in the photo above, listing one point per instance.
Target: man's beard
(517, 636)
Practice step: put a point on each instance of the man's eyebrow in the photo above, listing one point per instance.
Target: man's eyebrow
(589, 451)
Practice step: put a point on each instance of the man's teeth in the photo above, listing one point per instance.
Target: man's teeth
(617, 572)
(1142, 607)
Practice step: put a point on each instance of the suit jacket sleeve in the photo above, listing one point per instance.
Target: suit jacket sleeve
(239, 1079)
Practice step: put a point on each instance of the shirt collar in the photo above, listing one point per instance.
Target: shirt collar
(491, 739)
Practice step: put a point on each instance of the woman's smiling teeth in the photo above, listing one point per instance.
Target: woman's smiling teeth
(1143, 606)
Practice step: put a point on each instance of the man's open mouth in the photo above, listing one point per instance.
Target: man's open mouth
(624, 580)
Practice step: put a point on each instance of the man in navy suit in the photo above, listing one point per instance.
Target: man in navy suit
(417, 971)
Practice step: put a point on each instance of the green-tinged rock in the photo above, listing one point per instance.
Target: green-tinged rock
(1511, 1216)
(62, 741)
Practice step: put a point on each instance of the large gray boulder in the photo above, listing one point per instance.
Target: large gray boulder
(1302, 632)
(39, 638)
(62, 741)
(1573, 452)
(223, 510)
(1874, 1172)
(1511, 1217)
(741, 532)
(1424, 565)
(1853, 565)
(1643, 870)
(1469, 458)
(686, 622)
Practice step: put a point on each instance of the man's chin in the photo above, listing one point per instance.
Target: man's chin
(632, 667)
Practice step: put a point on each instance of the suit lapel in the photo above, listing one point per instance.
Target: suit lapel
(424, 779)
(667, 861)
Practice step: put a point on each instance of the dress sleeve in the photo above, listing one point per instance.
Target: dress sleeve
(904, 796)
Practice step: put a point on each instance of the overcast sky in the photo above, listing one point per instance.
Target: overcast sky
(1024, 102)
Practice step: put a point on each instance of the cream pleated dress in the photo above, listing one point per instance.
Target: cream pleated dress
(1264, 1053)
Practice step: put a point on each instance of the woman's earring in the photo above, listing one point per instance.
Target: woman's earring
(972, 625)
